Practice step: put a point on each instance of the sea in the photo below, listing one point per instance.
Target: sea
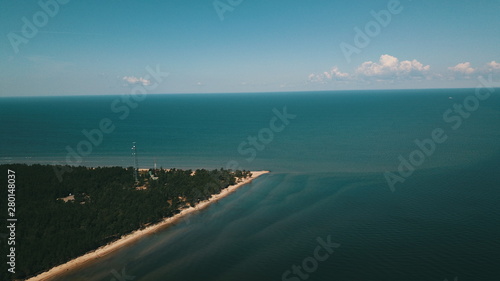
(383, 185)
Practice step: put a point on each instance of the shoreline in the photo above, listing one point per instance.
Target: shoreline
(103, 251)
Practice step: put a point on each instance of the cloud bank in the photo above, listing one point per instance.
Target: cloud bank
(388, 68)
(391, 69)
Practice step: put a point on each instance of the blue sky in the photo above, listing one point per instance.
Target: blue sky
(104, 47)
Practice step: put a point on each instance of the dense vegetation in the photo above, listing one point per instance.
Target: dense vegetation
(107, 204)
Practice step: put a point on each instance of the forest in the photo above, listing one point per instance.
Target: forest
(101, 205)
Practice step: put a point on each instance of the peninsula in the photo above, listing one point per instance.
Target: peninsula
(97, 211)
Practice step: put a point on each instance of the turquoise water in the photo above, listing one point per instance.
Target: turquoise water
(327, 181)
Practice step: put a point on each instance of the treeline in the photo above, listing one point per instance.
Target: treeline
(107, 204)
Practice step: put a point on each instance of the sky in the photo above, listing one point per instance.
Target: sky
(70, 47)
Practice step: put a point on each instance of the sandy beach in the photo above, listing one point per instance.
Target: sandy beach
(136, 235)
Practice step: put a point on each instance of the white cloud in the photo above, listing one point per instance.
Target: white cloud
(333, 75)
(136, 80)
(463, 69)
(493, 66)
(390, 68)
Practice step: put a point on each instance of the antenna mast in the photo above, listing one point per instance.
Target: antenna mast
(136, 163)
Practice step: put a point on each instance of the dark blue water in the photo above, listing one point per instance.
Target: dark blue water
(329, 165)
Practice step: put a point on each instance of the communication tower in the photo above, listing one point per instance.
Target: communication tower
(136, 163)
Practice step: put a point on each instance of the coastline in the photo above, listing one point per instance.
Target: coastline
(138, 234)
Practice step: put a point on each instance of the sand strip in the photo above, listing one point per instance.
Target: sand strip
(136, 235)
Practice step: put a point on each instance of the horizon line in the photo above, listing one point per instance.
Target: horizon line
(237, 93)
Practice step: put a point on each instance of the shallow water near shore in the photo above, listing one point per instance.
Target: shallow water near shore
(327, 180)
